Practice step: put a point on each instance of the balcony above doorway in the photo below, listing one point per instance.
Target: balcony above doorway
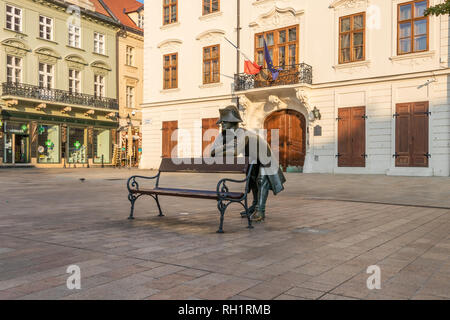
(292, 74)
(21, 91)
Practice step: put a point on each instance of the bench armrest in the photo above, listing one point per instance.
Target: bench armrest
(133, 184)
(222, 188)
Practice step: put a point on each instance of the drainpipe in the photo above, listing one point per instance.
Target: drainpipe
(238, 31)
(238, 43)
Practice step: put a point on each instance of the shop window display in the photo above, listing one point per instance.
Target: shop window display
(102, 146)
(77, 145)
(49, 143)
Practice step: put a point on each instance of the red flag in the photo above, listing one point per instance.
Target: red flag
(251, 67)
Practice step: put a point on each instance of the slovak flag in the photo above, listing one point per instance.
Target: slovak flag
(251, 67)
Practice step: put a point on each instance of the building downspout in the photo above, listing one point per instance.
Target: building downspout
(238, 43)
(238, 32)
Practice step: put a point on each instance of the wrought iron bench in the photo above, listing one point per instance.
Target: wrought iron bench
(222, 194)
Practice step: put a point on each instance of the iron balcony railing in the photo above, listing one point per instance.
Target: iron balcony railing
(56, 95)
(290, 74)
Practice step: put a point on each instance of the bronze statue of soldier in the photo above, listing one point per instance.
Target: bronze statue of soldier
(266, 174)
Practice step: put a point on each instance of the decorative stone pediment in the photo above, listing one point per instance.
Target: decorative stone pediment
(15, 47)
(277, 17)
(75, 62)
(47, 55)
(170, 45)
(209, 36)
(338, 4)
(100, 67)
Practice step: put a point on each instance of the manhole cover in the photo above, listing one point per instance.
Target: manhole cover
(311, 230)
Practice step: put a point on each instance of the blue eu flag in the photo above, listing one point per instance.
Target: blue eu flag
(275, 72)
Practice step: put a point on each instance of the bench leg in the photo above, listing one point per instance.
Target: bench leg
(247, 213)
(159, 207)
(132, 198)
(222, 209)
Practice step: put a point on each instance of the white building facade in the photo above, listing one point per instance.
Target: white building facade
(364, 86)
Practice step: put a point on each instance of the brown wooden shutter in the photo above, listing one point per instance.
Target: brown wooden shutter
(358, 136)
(352, 137)
(344, 139)
(168, 129)
(419, 126)
(209, 123)
(411, 135)
(402, 135)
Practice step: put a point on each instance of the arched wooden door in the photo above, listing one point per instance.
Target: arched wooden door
(292, 132)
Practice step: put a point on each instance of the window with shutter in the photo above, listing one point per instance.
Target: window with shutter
(210, 131)
(169, 139)
(352, 137)
(411, 130)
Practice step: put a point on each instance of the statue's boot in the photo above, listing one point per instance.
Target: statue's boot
(258, 216)
(263, 194)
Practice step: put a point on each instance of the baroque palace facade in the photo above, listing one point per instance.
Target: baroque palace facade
(62, 72)
(364, 86)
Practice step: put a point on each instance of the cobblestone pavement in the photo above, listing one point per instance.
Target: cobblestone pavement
(320, 236)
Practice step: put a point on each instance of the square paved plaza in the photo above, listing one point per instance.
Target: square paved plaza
(320, 236)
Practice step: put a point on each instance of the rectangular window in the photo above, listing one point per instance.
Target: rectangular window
(210, 6)
(170, 139)
(141, 20)
(283, 47)
(48, 143)
(130, 97)
(102, 146)
(74, 81)
(210, 130)
(13, 18)
(413, 27)
(211, 64)
(74, 36)
(99, 86)
(412, 134)
(45, 28)
(130, 56)
(99, 43)
(352, 30)
(170, 70)
(170, 11)
(13, 69)
(77, 139)
(351, 137)
(45, 76)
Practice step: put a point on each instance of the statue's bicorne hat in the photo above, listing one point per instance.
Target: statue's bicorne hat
(230, 114)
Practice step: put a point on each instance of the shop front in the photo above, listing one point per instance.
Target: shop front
(48, 141)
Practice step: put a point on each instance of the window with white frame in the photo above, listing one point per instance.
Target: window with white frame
(45, 75)
(13, 69)
(74, 36)
(130, 56)
(99, 86)
(45, 28)
(74, 81)
(141, 20)
(99, 43)
(13, 18)
(130, 97)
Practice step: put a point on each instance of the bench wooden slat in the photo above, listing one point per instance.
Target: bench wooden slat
(187, 193)
(201, 165)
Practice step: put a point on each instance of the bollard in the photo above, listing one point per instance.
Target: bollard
(103, 163)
